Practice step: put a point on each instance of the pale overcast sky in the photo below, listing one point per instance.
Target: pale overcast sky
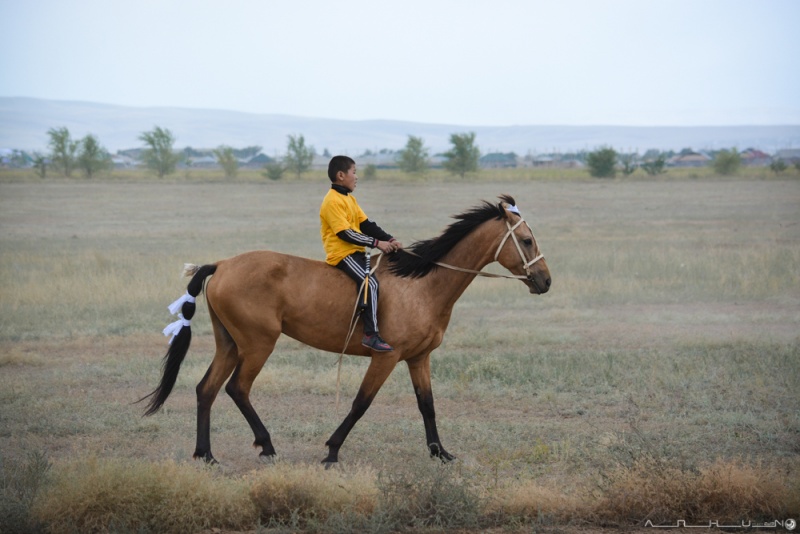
(461, 62)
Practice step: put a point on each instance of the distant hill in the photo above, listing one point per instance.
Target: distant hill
(24, 123)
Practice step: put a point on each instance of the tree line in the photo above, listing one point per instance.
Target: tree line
(88, 156)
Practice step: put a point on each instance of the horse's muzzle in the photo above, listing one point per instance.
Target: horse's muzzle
(538, 283)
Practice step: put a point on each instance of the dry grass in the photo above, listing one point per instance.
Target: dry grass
(285, 491)
(98, 495)
(725, 491)
(657, 380)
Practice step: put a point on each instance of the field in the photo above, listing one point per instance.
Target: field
(657, 380)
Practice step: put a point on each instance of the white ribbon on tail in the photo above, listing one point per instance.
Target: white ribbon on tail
(172, 329)
(176, 306)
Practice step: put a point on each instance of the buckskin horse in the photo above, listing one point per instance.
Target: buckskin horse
(254, 297)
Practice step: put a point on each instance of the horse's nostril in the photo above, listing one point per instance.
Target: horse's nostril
(547, 282)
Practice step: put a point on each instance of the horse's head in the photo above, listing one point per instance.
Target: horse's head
(518, 251)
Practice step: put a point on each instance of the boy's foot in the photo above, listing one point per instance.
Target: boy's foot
(375, 343)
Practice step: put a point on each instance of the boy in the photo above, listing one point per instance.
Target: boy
(346, 231)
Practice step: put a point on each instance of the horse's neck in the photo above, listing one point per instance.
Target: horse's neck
(474, 252)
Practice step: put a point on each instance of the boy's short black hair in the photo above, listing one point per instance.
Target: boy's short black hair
(339, 163)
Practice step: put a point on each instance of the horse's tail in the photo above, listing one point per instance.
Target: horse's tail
(182, 330)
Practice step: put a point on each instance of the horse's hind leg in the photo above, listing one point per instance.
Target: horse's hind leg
(225, 360)
(238, 387)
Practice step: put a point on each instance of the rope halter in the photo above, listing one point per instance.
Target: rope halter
(526, 265)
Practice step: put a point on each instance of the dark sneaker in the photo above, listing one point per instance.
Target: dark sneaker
(375, 343)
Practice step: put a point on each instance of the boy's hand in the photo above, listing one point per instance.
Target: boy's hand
(387, 247)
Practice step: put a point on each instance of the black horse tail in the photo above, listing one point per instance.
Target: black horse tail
(179, 345)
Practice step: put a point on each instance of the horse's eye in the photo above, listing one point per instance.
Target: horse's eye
(528, 241)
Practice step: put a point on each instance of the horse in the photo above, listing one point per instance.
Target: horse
(256, 296)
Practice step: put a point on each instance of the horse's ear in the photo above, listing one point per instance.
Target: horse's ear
(506, 201)
(502, 208)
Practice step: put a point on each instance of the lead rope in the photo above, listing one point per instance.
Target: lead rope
(354, 322)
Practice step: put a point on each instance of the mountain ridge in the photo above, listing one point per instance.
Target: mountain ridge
(24, 123)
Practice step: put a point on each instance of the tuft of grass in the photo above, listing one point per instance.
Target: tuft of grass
(431, 496)
(13, 356)
(101, 495)
(530, 502)
(20, 485)
(725, 491)
(285, 493)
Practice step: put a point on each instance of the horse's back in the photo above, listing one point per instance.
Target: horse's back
(265, 291)
(263, 274)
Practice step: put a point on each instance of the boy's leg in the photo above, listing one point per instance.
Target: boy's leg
(355, 267)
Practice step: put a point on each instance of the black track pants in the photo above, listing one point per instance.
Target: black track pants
(355, 267)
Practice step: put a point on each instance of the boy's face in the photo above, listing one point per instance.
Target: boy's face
(348, 179)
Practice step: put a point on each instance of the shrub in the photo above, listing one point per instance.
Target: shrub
(727, 162)
(370, 172)
(274, 170)
(602, 163)
(656, 166)
(778, 166)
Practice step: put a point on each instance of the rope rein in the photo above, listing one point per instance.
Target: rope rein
(354, 322)
(510, 233)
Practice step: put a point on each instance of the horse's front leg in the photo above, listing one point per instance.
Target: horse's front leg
(420, 369)
(379, 370)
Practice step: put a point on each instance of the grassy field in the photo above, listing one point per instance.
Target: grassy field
(657, 380)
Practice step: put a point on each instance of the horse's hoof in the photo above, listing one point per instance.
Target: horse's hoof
(437, 451)
(268, 459)
(330, 461)
(207, 458)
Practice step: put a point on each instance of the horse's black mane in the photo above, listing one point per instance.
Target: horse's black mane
(426, 252)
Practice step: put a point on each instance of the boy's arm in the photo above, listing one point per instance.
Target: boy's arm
(357, 238)
(369, 236)
(371, 229)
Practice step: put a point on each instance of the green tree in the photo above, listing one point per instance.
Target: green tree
(602, 163)
(298, 156)
(274, 170)
(628, 162)
(778, 166)
(463, 156)
(414, 157)
(40, 164)
(727, 162)
(227, 160)
(370, 172)
(159, 156)
(655, 166)
(63, 150)
(93, 158)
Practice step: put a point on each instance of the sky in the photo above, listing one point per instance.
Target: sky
(460, 62)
